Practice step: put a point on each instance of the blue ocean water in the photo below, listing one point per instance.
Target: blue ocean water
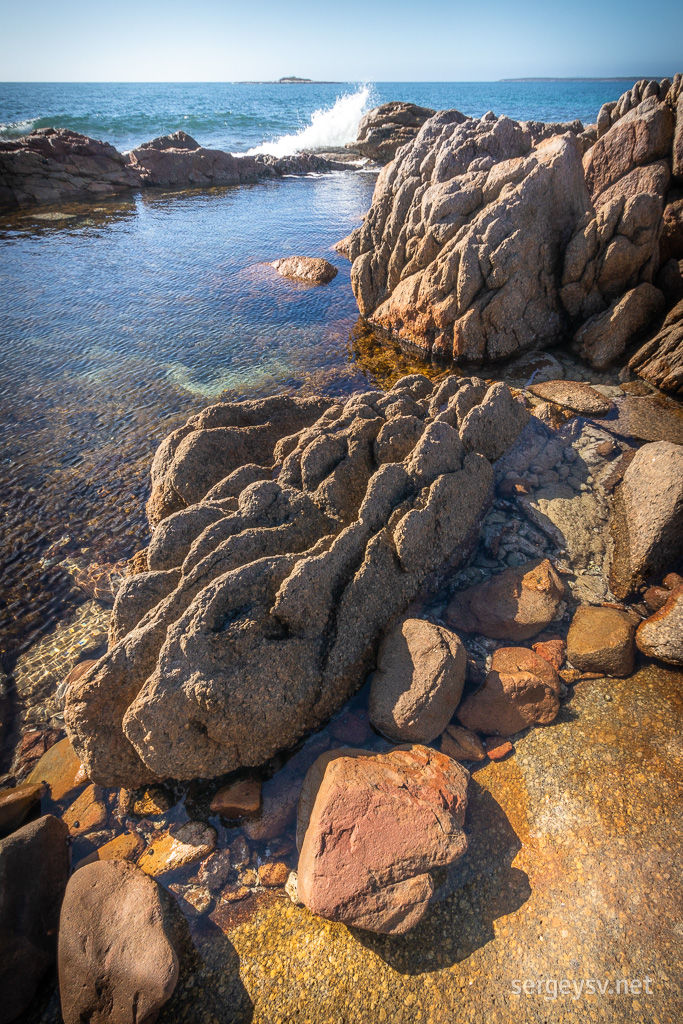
(239, 116)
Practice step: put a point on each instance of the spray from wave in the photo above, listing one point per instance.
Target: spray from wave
(328, 129)
(15, 129)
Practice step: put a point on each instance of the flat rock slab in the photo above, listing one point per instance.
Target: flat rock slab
(312, 269)
(573, 395)
(650, 418)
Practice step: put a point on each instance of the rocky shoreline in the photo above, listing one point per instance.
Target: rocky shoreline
(350, 611)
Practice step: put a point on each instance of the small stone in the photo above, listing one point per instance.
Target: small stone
(87, 812)
(656, 597)
(273, 873)
(521, 689)
(214, 871)
(497, 751)
(239, 852)
(554, 651)
(233, 893)
(462, 744)
(238, 799)
(248, 877)
(193, 899)
(127, 846)
(292, 888)
(15, 804)
(601, 640)
(60, 770)
(312, 269)
(181, 845)
(153, 801)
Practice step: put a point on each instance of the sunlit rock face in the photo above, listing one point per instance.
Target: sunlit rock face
(269, 591)
(487, 237)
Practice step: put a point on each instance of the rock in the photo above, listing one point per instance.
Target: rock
(34, 867)
(278, 808)
(646, 521)
(671, 241)
(462, 744)
(50, 165)
(381, 131)
(312, 269)
(601, 640)
(292, 888)
(418, 681)
(280, 606)
(116, 958)
(605, 337)
(215, 870)
(193, 899)
(575, 396)
(647, 418)
(677, 148)
(181, 845)
(660, 360)
(31, 747)
(127, 846)
(87, 813)
(15, 804)
(102, 582)
(661, 636)
(238, 799)
(372, 829)
(642, 136)
(153, 801)
(491, 427)
(515, 605)
(272, 873)
(60, 769)
(497, 751)
(521, 689)
(554, 651)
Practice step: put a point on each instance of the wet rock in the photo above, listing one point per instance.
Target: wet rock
(34, 866)
(491, 427)
(238, 799)
(60, 769)
(498, 751)
(418, 681)
(462, 744)
(515, 605)
(521, 689)
(661, 636)
(127, 846)
(15, 804)
(87, 813)
(660, 359)
(601, 640)
(101, 582)
(554, 651)
(646, 522)
(648, 418)
(382, 130)
(573, 395)
(273, 872)
(215, 870)
(180, 846)
(194, 900)
(401, 813)
(116, 958)
(31, 747)
(312, 269)
(281, 605)
(153, 801)
(604, 338)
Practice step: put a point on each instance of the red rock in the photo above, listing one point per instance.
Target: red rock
(515, 605)
(237, 799)
(601, 640)
(661, 636)
(554, 651)
(521, 689)
(32, 746)
(273, 873)
(656, 597)
(497, 751)
(372, 827)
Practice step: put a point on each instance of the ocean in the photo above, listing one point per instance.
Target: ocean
(120, 319)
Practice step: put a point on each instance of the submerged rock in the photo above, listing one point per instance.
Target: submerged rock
(373, 828)
(281, 604)
(117, 963)
(661, 635)
(312, 269)
(573, 395)
(601, 640)
(521, 689)
(418, 681)
(462, 744)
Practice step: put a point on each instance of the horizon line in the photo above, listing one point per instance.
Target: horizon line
(350, 81)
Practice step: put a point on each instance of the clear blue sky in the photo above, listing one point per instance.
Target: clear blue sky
(405, 40)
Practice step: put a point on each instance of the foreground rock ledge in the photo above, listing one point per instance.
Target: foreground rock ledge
(268, 593)
(371, 830)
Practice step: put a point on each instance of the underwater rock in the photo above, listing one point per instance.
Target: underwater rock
(661, 635)
(281, 604)
(372, 828)
(312, 269)
(573, 395)
(462, 744)
(521, 689)
(601, 640)
(180, 846)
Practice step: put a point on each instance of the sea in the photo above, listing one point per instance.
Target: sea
(120, 318)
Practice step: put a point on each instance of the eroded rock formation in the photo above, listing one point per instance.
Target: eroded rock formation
(285, 548)
(383, 130)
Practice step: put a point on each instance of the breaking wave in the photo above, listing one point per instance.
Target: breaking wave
(328, 128)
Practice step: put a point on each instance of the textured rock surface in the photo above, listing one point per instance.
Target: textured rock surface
(381, 131)
(646, 522)
(605, 337)
(660, 359)
(661, 636)
(117, 963)
(312, 269)
(15, 803)
(521, 689)
(462, 744)
(515, 605)
(281, 604)
(418, 681)
(601, 640)
(573, 395)
(372, 828)
(34, 866)
(181, 845)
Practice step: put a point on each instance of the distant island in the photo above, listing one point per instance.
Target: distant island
(291, 80)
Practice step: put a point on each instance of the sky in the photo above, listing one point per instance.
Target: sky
(356, 40)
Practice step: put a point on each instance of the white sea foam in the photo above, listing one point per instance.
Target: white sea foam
(328, 128)
(13, 129)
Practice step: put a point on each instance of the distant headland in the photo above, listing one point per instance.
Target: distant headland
(628, 78)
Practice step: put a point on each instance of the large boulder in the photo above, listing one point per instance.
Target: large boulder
(381, 131)
(373, 828)
(34, 867)
(521, 689)
(179, 160)
(281, 604)
(117, 962)
(418, 681)
(647, 516)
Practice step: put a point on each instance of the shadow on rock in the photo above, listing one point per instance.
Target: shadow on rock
(480, 888)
